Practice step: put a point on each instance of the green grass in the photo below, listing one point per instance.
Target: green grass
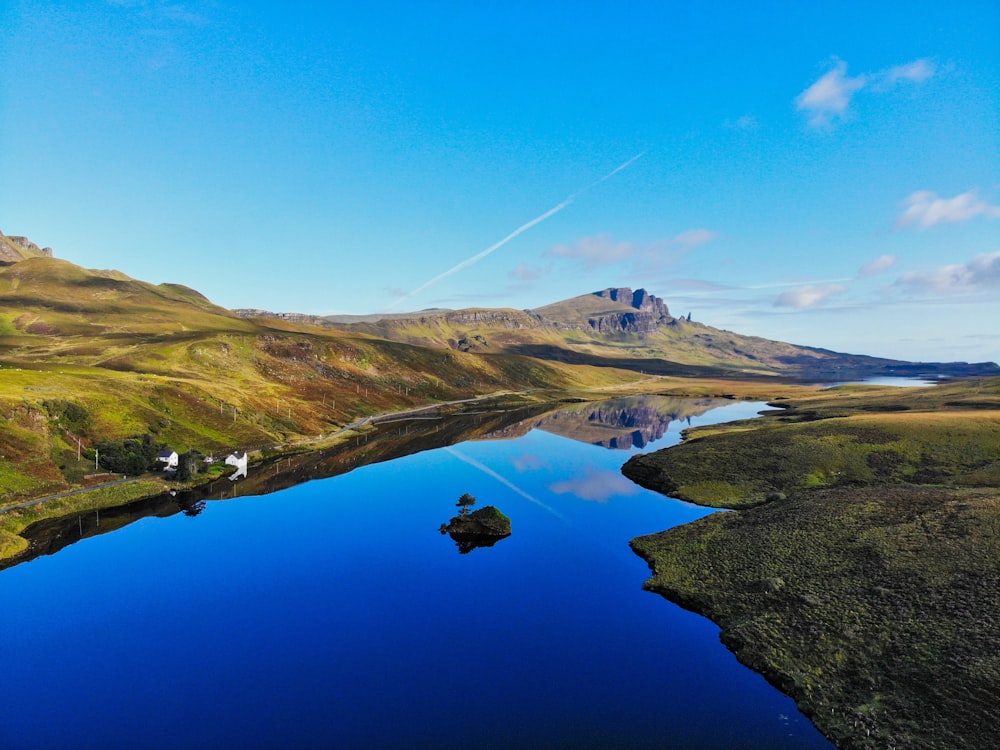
(741, 464)
(140, 358)
(877, 610)
(13, 522)
(869, 588)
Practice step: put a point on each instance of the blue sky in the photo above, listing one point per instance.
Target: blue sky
(825, 174)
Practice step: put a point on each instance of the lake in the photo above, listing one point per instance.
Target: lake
(332, 612)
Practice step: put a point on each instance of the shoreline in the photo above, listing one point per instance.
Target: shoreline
(858, 572)
(736, 390)
(18, 518)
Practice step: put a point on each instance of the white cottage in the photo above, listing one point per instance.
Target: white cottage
(239, 460)
(169, 459)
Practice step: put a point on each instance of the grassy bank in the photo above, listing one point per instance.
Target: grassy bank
(316, 450)
(863, 575)
(15, 521)
(18, 515)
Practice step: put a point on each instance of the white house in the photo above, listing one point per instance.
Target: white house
(169, 458)
(239, 460)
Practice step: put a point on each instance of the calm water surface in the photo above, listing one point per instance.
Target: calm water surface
(333, 614)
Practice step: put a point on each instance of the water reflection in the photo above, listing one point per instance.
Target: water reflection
(239, 460)
(473, 529)
(621, 423)
(388, 441)
(335, 616)
(466, 542)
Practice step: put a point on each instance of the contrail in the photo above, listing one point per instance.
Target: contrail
(610, 174)
(523, 228)
(504, 481)
(479, 256)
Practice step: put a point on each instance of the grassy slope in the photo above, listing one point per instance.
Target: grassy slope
(560, 332)
(871, 592)
(91, 355)
(12, 252)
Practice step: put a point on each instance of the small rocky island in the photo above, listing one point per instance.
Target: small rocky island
(482, 528)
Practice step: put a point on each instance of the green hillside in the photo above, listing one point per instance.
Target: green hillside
(597, 329)
(861, 570)
(89, 356)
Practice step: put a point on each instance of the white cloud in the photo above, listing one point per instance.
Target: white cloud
(665, 253)
(925, 209)
(698, 285)
(916, 71)
(182, 14)
(595, 251)
(529, 462)
(880, 264)
(808, 296)
(603, 250)
(525, 272)
(693, 237)
(980, 273)
(828, 98)
(596, 486)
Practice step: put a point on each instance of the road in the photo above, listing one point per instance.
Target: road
(373, 419)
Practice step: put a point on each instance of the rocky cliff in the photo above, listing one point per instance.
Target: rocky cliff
(14, 248)
(251, 313)
(647, 314)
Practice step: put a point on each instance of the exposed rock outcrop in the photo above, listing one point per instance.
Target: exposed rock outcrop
(481, 528)
(14, 248)
(471, 343)
(247, 312)
(650, 312)
(494, 318)
(640, 299)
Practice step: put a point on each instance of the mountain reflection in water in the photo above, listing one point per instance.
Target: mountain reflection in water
(619, 423)
(334, 613)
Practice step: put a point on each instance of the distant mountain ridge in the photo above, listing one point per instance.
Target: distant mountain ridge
(624, 328)
(94, 355)
(616, 327)
(616, 309)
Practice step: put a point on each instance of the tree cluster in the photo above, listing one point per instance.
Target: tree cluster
(70, 415)
(189, 464)
(134, 455)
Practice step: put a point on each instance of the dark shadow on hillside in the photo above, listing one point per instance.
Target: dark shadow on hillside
(650, 366)
(831, 367)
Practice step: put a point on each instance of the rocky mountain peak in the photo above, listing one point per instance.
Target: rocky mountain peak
(640, 299)
(650, 312)
(14, 248)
